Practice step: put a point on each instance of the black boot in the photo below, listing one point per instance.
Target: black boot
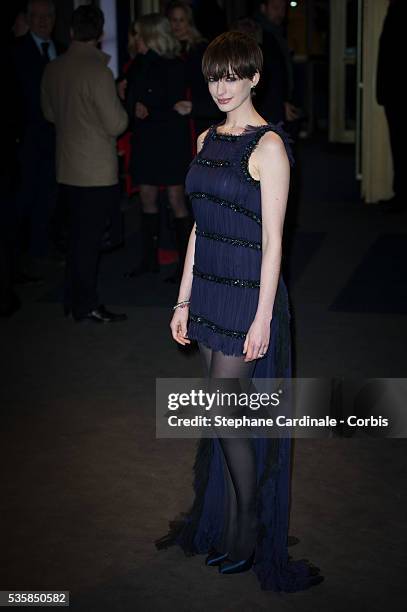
(149, 236)
(183, 226)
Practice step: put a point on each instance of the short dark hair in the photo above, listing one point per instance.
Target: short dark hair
(232, 52)
(87, 23)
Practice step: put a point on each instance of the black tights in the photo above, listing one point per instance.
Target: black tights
(239, 535)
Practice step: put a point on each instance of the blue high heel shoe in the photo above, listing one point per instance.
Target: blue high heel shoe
(215, 558)
(236, 567)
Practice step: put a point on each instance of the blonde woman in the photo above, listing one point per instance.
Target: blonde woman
(204, 111)
(183, 26)
(161, 148)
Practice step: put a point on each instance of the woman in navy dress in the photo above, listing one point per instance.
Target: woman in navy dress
(234, 302)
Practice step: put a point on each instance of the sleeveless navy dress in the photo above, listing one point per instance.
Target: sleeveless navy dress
(226, 202)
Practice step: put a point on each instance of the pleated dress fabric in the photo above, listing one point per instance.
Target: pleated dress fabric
(226, 202)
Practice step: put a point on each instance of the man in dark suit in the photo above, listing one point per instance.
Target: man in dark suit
(389, 95)
(36, 195)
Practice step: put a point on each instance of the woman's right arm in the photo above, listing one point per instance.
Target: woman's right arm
(179, 321)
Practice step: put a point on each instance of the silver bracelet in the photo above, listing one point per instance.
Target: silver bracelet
(181, 304)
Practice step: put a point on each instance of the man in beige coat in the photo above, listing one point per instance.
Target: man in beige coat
(78, 95)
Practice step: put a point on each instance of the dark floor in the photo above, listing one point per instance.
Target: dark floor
(86, 487)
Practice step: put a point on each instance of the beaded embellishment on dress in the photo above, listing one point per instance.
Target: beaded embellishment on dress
(229, 239)
(216, 328)
(232, 282)
(200, 195)
(213, 163)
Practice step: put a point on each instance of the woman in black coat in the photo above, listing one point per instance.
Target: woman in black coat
(161, 149)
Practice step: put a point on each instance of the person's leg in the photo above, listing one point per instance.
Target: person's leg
(176, 198)
(43, 208)
(68, 194)
(9, 302)
(148, 197)
(89, 208)
(150, 220)
(26, 194)
(182, 223)
(240, 531)
(76, 272)
(59, 223)
(206, 354)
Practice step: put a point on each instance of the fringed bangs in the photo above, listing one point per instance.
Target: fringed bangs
(232, 53)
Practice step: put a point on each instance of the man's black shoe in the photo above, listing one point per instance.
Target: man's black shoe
(101, 315)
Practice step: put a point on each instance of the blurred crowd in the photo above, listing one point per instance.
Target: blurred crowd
(70, 122)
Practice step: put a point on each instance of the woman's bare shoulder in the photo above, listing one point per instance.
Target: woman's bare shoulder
(270, 142)
(270, 147)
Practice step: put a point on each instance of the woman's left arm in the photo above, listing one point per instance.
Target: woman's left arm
(273, 168)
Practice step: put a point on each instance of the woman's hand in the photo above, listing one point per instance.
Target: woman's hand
(178, 325)
(257, 340)
(183, 107)
(140, 110)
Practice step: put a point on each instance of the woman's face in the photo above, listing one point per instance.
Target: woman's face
(230, 91)
(179, 23)
(139, 44)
